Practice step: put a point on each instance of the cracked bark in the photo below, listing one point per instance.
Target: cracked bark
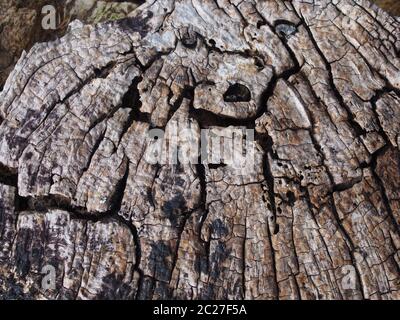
(21, 23)
(317, 215)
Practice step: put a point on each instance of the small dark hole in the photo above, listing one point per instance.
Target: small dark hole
(291, 197)
(237, 93)
(212, 42)
(259, 63)
(276, 230)
(189, 40)
(363, 165)
(97, 72)
(214, 166)
(260, 23)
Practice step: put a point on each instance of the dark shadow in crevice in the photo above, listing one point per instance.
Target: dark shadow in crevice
(8, 176)
(237, 93)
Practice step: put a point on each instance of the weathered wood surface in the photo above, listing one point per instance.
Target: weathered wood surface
(21, 23)
(316, 217)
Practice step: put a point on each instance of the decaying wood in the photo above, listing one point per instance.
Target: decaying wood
(316, 217)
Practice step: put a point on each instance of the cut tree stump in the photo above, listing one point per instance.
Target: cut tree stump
(315, 216)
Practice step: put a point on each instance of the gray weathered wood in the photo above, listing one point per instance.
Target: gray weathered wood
(316, 217)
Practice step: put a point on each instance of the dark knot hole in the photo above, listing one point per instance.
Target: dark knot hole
(237, 93)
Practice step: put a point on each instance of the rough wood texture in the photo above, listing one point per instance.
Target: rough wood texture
(21, 23)
(316, 217)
